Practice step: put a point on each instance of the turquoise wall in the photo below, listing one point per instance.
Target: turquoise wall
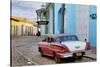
(92, 26)
(71, 18)
(70, 21)
(57, 15)
(50, 18)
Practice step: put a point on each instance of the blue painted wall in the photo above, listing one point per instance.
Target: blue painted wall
(70, 21)
(56, 21)
(71, 18)
(59, 20)
(92, 26)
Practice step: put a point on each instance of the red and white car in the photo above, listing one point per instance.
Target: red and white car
(62, 46)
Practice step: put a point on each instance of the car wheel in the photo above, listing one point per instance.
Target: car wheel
(80, 58)
(41, 52)
(57, 59)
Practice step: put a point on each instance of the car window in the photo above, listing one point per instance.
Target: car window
(66, 38)
(50, 39)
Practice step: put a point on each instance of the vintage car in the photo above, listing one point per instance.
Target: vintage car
(62, 46)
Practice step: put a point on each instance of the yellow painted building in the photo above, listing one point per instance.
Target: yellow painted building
(22, 27)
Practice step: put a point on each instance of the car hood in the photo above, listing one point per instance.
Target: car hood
(74, 45)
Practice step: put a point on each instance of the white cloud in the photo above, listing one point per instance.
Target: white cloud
(25, 8)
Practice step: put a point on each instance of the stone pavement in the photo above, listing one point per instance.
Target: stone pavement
(18, 59)
(27, 46)
(91, 53)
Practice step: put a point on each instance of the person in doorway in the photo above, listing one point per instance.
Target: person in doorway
(85, 40)
(38, 34)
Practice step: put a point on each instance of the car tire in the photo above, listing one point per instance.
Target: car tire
(57, 59)
(41, 52)
(80, 58)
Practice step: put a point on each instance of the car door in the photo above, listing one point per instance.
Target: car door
(47, 48)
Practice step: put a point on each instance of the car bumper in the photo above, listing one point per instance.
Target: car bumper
(73, 54)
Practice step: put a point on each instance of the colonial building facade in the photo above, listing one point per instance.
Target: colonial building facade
(72, 19)
(22, 27)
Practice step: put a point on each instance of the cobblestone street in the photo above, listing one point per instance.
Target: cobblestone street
(25, 52)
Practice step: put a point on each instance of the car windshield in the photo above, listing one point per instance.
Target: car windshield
(66, 38)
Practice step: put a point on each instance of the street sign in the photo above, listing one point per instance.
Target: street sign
(42, 22)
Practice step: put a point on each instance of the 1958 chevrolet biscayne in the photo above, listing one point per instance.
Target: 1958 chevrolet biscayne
(62, 46)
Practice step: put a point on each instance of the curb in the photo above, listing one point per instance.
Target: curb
(90, 57)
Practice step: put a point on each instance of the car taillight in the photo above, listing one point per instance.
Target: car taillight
(59, 48)
(87, 46)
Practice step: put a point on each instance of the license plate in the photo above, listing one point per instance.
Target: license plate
(78, 54)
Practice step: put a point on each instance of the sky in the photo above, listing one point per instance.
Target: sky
(25, 9)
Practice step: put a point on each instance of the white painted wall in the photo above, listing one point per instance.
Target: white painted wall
(42, 29)
(19, 30)
(50, 24)
(82, 21)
